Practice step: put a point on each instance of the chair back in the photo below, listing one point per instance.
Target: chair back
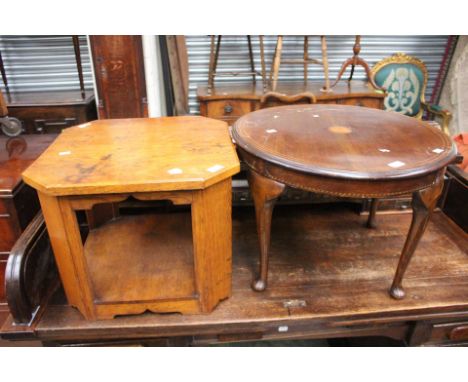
(271, 99)
(404, 78)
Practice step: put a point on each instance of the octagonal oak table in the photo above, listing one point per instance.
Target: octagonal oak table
(344, 151)
(133, 263)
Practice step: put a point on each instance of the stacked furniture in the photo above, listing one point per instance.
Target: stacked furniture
(177, 257)
(48, 112)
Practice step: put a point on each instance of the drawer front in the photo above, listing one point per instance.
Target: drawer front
(229, 120)
(2, 281)
(400, 203)
(9, 233)
(26, 204)
(228, 109)
(453, 331)
(4, 207)
(375, 103)
(53, 126)
(48, 119)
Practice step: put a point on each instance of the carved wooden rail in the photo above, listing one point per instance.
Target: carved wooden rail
(281, 98)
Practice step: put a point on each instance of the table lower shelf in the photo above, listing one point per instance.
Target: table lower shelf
(142, 258)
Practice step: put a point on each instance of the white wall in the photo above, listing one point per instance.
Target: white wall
(154, 77)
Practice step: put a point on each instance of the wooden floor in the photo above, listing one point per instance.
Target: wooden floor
(326, 270)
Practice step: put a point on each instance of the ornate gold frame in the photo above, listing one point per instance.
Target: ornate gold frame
(402, 58)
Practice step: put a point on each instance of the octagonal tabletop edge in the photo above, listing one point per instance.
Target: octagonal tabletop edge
(136, 155)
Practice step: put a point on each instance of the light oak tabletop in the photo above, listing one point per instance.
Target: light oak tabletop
(135, 155)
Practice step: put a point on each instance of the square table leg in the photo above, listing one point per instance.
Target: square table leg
(212, 243)
(64, 234)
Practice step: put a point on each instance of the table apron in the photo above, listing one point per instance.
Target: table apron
(357, 188)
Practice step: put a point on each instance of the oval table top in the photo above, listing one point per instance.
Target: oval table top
(344, 141)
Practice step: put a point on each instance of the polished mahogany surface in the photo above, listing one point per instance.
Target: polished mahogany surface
(16, 154)
(136, 155)
(344, 141)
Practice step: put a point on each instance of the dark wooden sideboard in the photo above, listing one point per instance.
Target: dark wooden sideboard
(18, 202)
(229, 102)
(48, 112)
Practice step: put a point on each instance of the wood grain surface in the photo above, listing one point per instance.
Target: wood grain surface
(344, 141)
(330, 277)
(135, 155)
(145, 258)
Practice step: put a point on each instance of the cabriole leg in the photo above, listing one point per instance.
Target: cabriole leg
(265, 192)
(423, 203)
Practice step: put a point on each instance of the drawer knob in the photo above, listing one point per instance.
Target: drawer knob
(459, 333)
(228, 109)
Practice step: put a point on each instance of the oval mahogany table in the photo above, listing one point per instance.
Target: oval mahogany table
(344, 151)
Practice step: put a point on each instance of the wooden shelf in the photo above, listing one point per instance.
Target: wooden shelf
(142, 258)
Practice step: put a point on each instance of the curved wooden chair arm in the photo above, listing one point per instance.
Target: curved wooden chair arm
(445, 115)
(30, 276)
(288, 99)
